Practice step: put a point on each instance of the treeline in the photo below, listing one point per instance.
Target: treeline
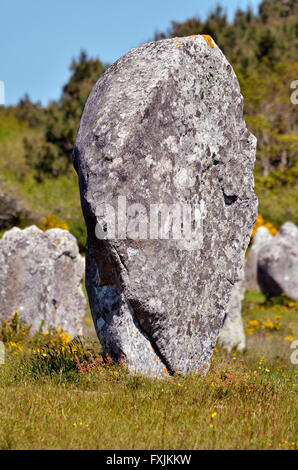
(50, 154)
(262, 49)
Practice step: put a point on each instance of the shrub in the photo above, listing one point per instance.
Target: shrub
(52, 221)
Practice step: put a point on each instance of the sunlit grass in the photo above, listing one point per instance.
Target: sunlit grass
(61, 394)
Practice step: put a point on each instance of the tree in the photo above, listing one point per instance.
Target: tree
(51, 155)
(32, 113)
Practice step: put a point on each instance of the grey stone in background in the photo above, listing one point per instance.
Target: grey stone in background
(232, 334)
(41, 276)
(278, 263)
(164, 124)
(12, 211)
(262, 236)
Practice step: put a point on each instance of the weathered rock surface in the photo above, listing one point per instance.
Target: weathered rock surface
(232, 333)
(40, 276)
(278, 263)
(262, 236)
(164, 124)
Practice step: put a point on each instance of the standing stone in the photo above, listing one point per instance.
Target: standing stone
(278, 263)
(163, 128)
(261, 237)
(232, 333)
(41, 277)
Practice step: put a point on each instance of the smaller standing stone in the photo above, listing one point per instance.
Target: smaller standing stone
(278, 263)
(232, 333)
(41, 277)
(261, 237)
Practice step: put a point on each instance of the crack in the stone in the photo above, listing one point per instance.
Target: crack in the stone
(66, 253)
(121, 259)
(132, 307)
(146, 334)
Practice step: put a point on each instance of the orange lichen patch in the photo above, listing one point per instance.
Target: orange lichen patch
(208, 39)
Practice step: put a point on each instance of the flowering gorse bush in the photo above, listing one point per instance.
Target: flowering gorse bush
(47, 353)
(261, 222)
(14, 331)
(52, 221)
(267, 325)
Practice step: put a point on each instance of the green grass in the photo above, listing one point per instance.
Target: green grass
(46, 402)
(43, 399)
(278, 201)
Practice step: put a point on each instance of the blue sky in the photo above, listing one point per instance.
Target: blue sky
(39, 38)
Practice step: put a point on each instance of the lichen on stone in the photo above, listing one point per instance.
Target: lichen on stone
(208, 39)
(180, 139)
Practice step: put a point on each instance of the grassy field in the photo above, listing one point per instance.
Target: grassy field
(57, 394)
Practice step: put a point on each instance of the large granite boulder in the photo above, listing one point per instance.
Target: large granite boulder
(278, 263)
(262, 236)
(40, 276)
(232, 333)
(162, 134)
